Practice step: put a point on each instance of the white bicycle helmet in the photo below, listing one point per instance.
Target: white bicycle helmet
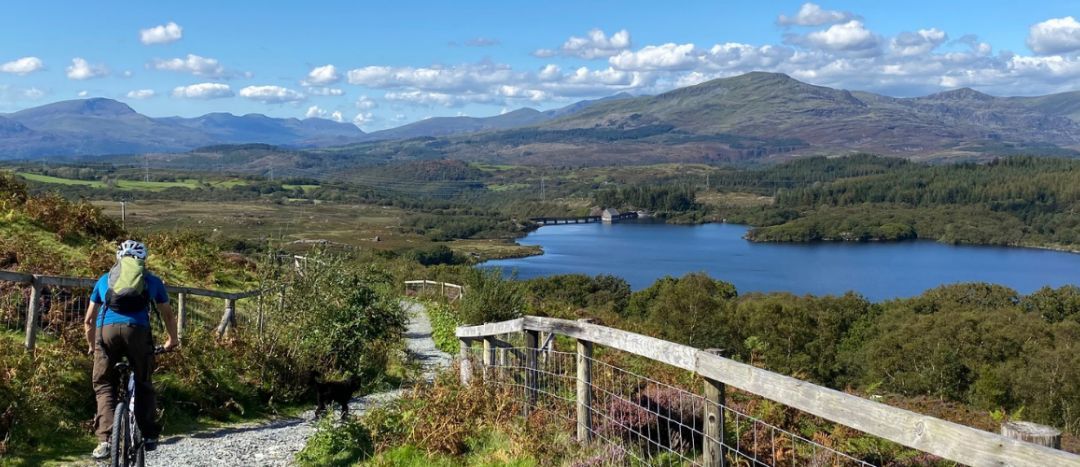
(131, 248)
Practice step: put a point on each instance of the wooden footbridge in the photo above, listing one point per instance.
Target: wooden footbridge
(627, 418)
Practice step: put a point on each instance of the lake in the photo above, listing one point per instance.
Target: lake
(644, 252)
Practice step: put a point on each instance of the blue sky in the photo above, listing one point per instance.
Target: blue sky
(395, 62)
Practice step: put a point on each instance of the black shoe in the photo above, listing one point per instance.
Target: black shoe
(150, 444)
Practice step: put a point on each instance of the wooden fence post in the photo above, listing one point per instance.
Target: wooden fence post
(713, 441)
(501, 359)
(531, 343)
(228, 318)
(464, 363)
(33, 313)
(181, 314)
(584, 389)
(489, 357)
(1033, 433)
(261, 323)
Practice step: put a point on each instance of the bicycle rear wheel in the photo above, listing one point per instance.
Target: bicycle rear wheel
(120, 436)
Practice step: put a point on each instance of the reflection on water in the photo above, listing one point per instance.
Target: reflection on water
(642, 253)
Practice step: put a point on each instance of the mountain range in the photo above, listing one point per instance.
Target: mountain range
(752, 116)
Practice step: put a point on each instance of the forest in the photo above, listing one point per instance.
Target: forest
(1018, 201)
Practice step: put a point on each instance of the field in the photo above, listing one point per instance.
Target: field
(301, 224)
(733, 199)
(132, 184)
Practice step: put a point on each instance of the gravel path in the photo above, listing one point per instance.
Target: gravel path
(275, 442)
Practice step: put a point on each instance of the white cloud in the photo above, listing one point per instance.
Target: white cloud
(33, 93)
(813, 15)
(657, 57)
(161, 34)
(317, 112)
(22, 66)
(534, 95)
(1055, 36)
(920, 42)
(365, 103)
(446, 79)
(322, 75)
(977, 47)
(11, 96)
(141, 94)
(82, 93)
(844, 55)
(80, 69)
(849, 36)
(550, 72)
(326, 91)
(194, 64)
(203, 91)
(271, 94)
(595, 44)
(363, 118)
(439, 98)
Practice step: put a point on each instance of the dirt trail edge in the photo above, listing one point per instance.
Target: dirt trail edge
(272, 443)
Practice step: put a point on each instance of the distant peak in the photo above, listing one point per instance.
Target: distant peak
(765, 75)
(102, 106)
(964, 94)
(522, 111)
(753, 78)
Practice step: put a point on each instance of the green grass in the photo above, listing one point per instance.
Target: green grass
(507, 186)
(494, 167)
(139, 185)
(306, 188)
(491, 449)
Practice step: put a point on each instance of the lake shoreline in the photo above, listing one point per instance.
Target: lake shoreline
(878, 270)
(653, 220)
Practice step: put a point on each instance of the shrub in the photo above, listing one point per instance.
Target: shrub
(444, 323)
(341, 317)
(490, 297)
(341, 445)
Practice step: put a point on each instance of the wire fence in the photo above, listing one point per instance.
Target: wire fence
(63, 309)
(640, 420)
(14, 298)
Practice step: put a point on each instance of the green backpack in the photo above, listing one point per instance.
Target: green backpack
(127, 292)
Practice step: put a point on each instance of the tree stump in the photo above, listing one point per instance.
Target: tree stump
(1033, 433)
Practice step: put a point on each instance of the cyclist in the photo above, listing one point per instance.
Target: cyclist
(122, 329)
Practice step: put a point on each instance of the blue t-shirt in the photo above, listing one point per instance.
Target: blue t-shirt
(154, 288)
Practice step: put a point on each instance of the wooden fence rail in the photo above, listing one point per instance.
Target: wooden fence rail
(38, 282)
(941, 438)
(451, 291)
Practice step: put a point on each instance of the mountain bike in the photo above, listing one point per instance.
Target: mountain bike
(127, 447)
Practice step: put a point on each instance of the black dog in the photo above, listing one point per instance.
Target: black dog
(328, 392)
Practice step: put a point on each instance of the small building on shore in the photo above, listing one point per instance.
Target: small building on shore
(609, 215)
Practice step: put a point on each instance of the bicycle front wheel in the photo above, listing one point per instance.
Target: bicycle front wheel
(137, 443)
(120, 436)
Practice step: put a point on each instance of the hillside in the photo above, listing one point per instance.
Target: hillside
(100, 126)
(104, 126)
(769, 116)
(770, 105)
(447, 126)
(751, 117)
